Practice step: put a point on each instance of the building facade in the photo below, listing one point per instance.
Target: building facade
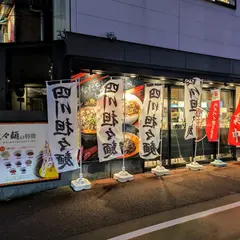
(142, 42)
(198, 26)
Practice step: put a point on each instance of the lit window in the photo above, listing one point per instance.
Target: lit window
(226, 3)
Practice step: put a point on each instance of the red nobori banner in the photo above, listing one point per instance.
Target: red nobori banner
(234, 129)
(212, 121)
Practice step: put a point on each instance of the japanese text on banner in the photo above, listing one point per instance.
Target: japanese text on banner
(234, 129)
(192, 92)
(62, 125)
(110, 120)
(212, 121)
(150, 119)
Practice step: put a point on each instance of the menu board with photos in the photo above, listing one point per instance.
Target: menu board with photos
(25, 154)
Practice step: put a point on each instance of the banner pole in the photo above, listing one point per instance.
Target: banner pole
(80, 128)
(219, 126)
(80, 183)
(161, 133)
(124, 125)
(219, 132)
(195, 166)
(203, 149)
(123, 176)
(218, 162)
(196, 142)
(160, 170)
(195, 150)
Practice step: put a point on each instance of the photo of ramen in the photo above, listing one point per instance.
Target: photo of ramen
(131, 145)
(13, 171)
(88, 114)
(132, 108)
(5, 155)
(28, 162)
(30, 153)
(18, 164)
(88, 120)
(17, 154)
(8, 165)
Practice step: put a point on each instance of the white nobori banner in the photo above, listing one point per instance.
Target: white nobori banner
(193, 90)
(62, 125)
(109, 120)
(150, 122)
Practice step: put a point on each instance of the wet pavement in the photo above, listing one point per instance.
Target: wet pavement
(62, 213)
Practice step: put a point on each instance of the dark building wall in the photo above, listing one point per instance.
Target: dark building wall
(27, 25)
(28, 22)
(119, 56)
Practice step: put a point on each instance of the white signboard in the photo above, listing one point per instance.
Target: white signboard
(22, 154)
(193, 89)
(150, 122)
(62, 125)
(109, 120)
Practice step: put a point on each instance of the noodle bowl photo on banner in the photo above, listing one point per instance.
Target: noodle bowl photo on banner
(90, 90)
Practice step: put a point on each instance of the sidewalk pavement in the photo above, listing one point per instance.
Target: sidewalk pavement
(62, 213)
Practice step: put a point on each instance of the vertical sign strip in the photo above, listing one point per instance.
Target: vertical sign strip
(150, 120)
(193, 89)
(212, 121)
(109, 120)
(62, 125)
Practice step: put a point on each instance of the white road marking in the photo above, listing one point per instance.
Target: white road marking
(176, 221)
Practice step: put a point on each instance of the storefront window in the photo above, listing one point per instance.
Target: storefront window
(181, 149)
(36, 99)
(165, 147)
(209, 150)
(90, 90)
(33, 98)
(227, 110)
(205, 150)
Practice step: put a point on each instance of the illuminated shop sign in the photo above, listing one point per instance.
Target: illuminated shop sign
(226, 3)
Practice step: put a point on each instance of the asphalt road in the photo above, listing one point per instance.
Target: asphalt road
(64, 214)
(223, 225)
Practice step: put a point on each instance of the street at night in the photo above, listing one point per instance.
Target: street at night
(120, 119)
(111, 209)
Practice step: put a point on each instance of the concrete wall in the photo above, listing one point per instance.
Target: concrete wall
(189, 25)
(15, 191)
